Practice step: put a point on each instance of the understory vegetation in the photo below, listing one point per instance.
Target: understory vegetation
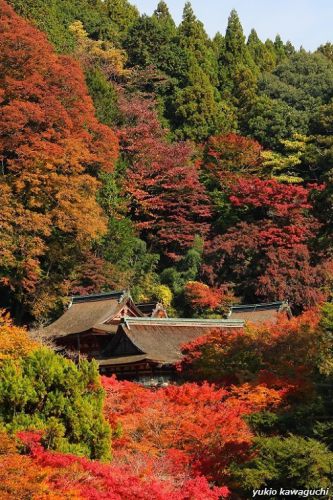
(256, 412)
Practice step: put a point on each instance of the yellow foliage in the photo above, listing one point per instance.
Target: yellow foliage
(14, 341)
(164, 295)
(281, 166)
(103, 54)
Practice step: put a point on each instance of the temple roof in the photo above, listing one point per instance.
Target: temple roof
(158, 339)
(152, 309)
(260, 313)
(90, 312)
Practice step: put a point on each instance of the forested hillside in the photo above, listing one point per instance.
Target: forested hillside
(144, 155)
(138, 154)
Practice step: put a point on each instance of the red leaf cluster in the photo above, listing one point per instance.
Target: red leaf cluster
(168, 202)
(56, 475)
(271, 195)
(192, 429)
(282, 357)
(201, 297)
(270, 251)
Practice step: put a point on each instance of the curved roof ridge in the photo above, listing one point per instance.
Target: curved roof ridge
(183, 321)
(161, 339)
(75, 299)
(260, 305)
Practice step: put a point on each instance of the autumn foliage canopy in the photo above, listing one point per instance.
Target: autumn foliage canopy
(51, 149)
(120, 168)
(168, 203)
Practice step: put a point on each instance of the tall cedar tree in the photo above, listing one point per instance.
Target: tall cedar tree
(194, 39)
(122, 15)
(162, 13)
(197, 109)
(262, 55)
(151, 42)
(168, 203)
(52, 148)
(237, 70)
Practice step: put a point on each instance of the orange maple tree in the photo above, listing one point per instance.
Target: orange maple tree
(202, 298)
(229, 155)
(250, 355)
(14, 341)
(183, 431)
(51, 150)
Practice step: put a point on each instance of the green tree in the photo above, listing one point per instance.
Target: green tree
(187, 269)
(104, 96)
(194, 39)
(152, 48)
(55, 16)
(289, 98)
(195, 109)
(272, 120)
(235, 45)
(279, 49)
(122, 15)
(150, 42)
(163, 15)
(198, 110)
(288, 463)
(263, 57)
(318, 159)
(327, 50)
(47, 392)
(237, 70)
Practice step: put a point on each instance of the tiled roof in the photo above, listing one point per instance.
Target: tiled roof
(260, 313)
(158, 339)
(89, 312)
(151, 309)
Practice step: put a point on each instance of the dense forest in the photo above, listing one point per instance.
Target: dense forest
(138, 154)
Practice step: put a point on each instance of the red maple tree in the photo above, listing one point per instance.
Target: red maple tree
(200, 297)
(182, 430)
(56, 475)
(168, 202)
(268, 251)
